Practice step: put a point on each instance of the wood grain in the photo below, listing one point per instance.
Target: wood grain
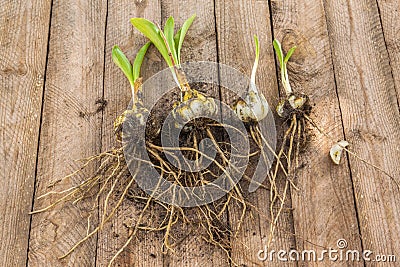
(70, 129)
(146, 249)
(323, 209)
(390, 19)
(200, 45)
(371, 118)
(347, 61)
(24, 29)
(236, 49)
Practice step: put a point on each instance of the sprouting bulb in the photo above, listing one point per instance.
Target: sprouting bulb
(194, 105)
(137, 114)
(254, 106)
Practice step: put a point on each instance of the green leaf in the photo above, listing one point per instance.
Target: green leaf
(169, 36)
(152, 32)
(278, 51)
(139, 60)
(253, 72)
(183, 31)
(282, 62)
(257, 47)
(123, 63)
(289, 54)
(176, 39)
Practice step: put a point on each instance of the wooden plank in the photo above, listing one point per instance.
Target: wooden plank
(24, 29)
(200, 45)
(145, 250)
(370, 117)
(200, 41)
(389, 15)
(70, 129)
(236, 48)
(323, 209)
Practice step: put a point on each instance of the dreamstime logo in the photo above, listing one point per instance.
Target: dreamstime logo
(148, 175)
(339, 254)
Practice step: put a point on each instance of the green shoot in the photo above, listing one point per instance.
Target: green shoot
(176, 39)
(283, 64)
(131, 72)
(123, 63)
(139, 60)
(255, 66)
(181, 34)
(173, 67)
(152, 32)
(289, 54)
(168, 44)
(169, 50)
(169, 38)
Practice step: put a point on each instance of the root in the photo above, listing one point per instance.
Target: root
(111, 174)
(100, 226)
(286, 162)
(132, 234)
(353, 153)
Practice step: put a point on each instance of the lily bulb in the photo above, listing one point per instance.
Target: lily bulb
(254, 106)
(194, 105)
(136, 114)
(292, 103)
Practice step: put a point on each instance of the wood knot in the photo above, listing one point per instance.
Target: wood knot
(19, 70)
(367, 136)
(304, 50)
(140, 3)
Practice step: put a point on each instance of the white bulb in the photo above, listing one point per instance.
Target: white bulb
(253, 108)
(196, 106)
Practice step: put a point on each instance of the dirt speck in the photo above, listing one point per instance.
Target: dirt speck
(102, 103)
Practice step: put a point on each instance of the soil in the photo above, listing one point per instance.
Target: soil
(196, 127)
(194, 217)
(174, 223)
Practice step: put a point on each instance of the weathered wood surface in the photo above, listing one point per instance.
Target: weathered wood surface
(200, 45)
(325, 200)
(118, 94)
(71, 128)
(236, 49)
(24, 29)
(347, 61)
(370, 115)
(390, 19)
